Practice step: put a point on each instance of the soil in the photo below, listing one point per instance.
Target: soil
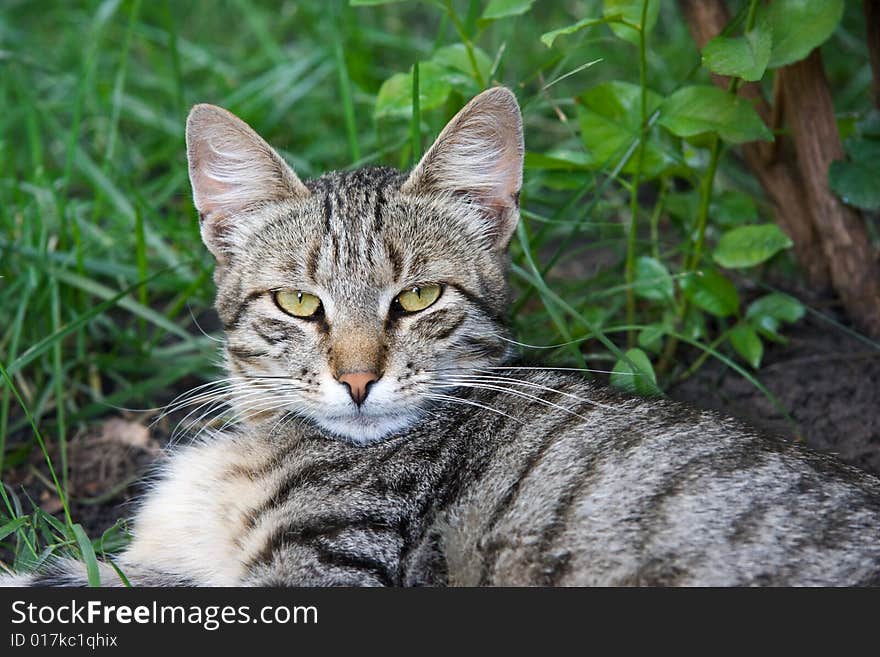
(827, 380)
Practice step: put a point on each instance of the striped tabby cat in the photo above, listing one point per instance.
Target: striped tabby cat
(388, 437)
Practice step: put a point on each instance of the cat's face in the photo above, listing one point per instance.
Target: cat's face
(356, 300)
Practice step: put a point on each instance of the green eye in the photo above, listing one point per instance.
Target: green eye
(297, 303)
(417, 298)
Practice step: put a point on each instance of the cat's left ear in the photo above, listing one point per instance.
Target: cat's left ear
(232, 171)
(479, 156)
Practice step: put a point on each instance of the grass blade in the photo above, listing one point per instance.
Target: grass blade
(88, 555)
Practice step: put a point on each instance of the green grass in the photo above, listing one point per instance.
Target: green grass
(101, 266)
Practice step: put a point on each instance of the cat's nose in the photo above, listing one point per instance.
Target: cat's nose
(358, 384)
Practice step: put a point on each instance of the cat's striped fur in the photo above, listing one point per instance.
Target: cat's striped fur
(462, 466)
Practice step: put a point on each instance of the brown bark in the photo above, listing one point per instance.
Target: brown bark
(778, 175)
(872, 36)
(855, 273)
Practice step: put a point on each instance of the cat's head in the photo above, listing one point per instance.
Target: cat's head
(358, 299)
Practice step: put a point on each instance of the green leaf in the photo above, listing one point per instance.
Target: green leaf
(744, 57)
(651, 337)
(730, 208)
(747, 344)
(456, 57)
(695, 110)
(747, 246)
(857, 180)
(683, 206)
(694, 325)
(798, 26)
(631, 11)
(114, 538)
(88, 555)
(652, 280)
(781, 306)
(711, 292)
(368, 3)
(609, 117)
(855, 183)
(557, 160)
(767, 312)
(549, 37)
(395, 95)
(502, 8)
(12, 526)
(640, 381)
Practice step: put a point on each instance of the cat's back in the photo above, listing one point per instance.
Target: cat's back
(585, 486)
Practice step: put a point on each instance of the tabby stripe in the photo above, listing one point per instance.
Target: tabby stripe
(359, 562)
(439, 325)
(256, 472)
(246, 354)
(334, 244)
(381, 464)
(395, 259)
(447, 483)
(328, 212)
(288, 333)
(313, 474)
(241, 309)
(378, 211)
(532, 462)
(561, 513)
(479, 302)
(485, 347)
(491, 555)
(312, 260)
(306, 534)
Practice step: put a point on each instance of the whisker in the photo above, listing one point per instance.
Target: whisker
(517, 393)
(531, 384)
(231, 397)
(556, 369)
(461, 400)
(542, 346)
(199, 326)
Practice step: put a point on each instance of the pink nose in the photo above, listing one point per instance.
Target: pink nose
(358, 384)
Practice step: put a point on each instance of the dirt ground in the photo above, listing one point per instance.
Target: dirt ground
(828, 381)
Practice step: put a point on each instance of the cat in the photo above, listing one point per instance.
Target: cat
(389, 436)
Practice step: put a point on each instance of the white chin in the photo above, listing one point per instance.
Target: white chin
(363, 429)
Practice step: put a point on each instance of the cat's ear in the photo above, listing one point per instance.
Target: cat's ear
(479, 156)
(232, 169)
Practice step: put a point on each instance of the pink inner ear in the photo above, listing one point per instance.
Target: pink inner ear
(231, 166)
(206, 190)
(479, 152)
(232, 169)
(478, 155)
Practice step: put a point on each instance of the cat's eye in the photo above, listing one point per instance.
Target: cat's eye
(297, 303)
(417, 298)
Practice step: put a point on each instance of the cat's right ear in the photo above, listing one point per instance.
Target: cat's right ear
(479, 157)
(232, 169)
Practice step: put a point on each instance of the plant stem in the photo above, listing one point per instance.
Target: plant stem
(347, 102)
(416, 123)
(703, 213)
(634, 192)
(705, 201)
(655, 217)
(58, 489)
(468, 45)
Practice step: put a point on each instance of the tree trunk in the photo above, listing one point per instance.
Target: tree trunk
(778, 175)
(855, 272)
(830, 238)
